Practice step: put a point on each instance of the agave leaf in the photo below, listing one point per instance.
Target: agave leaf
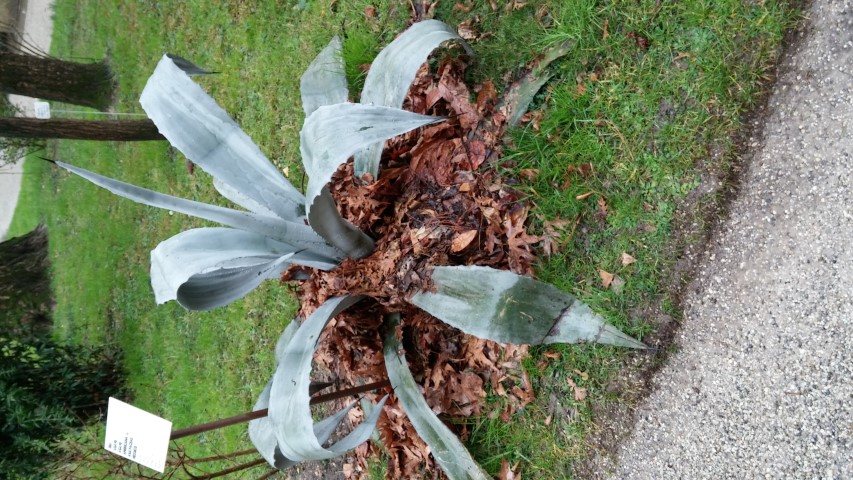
(392, 73)
(444, 445)
(328, 223)
(333, 133)
(204, 267)
(293, 233)
(238, 198)
(262, 430)
(194, 124)
(187, 66)
(519, 95)
(290, 409)
(217, 288)
(284, 340)
(329, 137)
(262, 434)
(325, 81)
(509, 308)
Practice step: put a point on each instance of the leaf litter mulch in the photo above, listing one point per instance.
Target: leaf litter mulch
(440, 199)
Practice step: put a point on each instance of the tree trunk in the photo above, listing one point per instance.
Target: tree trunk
(117, 130)
(25, 295)
(87, 84)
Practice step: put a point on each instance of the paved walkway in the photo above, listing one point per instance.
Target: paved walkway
(37, 26)
(762, 386)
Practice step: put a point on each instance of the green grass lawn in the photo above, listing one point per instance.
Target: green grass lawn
(647, 102)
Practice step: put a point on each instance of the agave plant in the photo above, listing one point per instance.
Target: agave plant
(278, 226)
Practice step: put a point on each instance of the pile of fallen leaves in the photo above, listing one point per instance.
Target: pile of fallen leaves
(439, 200)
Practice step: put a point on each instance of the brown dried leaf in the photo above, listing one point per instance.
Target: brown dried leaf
(464, 8)
(475, 154)
(467, 31)
(507, 472)
(530, 173)
(602, 205)
(462, 240)
(534, 119)
(627, 259)
(583, 195)
(487, 97)
(606, 278)
(580, 392)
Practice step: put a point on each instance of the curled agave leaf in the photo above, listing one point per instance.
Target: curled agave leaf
(392, 73)
(324, 82)
(262, 434)
(293, 233)
(194, 124)
(262, 430)
(328, 138)
(508, 308)
(290, 409)
(284, 340)
(205, 268)
(444, 445)
(328, 223)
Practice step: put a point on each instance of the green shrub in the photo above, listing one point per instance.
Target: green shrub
(47, 389)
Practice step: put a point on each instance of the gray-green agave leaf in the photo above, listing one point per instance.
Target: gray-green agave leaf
(508, 308)
(325, 81)
(194, 124)
(444, 445)
(330, 135)
(289, 408)
(392, 73)
(205, 268)
(262, 434)
(262, 430)
(293, 233)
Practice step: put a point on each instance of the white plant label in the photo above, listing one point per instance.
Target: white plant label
(137, 435)
(41, 109)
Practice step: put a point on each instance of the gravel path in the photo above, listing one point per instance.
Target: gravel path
(762, 386)
(37, 27)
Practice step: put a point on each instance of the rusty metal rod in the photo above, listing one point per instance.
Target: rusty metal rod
(246, 417)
